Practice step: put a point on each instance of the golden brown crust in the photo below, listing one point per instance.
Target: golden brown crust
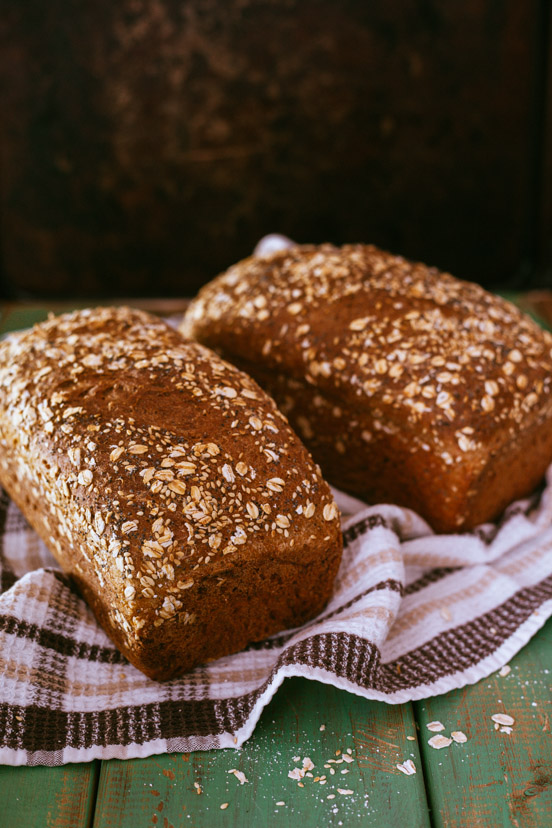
(167, 483)
(407, 384)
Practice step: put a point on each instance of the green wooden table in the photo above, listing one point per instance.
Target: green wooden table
(492, 779)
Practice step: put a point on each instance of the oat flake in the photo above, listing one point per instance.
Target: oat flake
(407, 767)
(439, 742)
(503, 719)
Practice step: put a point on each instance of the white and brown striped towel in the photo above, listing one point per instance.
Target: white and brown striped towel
(413, 615)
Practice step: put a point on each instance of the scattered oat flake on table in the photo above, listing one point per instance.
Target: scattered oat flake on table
(347, 758)
(296, 773)
(503, 719)
(435, 727)
(506, 729)
(322, 727)
(198, 787)
(281, 803)
(240, 776)
(459, 736)
(411, 738)
(439, 742)
(308, 765)
(407, 767)
(504, 670)
(224, 806)
(345, 791)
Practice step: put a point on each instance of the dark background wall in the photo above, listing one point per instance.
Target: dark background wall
(148, 144)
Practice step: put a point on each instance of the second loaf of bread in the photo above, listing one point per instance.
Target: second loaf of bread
(167, 484)
(408, 385)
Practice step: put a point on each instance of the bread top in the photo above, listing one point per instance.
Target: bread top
(439, 360)
(160, 463)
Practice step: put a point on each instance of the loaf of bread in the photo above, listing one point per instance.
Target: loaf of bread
(167, 484)
(409, 386)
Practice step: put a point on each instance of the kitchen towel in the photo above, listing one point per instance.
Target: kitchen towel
(413, 615)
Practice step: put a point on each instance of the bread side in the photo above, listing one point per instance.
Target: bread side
(408, 385)
(167, 484)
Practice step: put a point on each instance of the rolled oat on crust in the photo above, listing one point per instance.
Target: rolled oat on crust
(167, 484)
(409, 386)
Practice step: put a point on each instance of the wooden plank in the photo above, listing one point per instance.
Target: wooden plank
(54, 797)
(19, 318)
(495, 778)
(305, 719)
(15, 317)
